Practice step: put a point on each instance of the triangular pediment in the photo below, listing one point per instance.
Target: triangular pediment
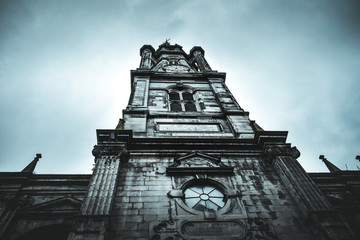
(198, 163)
(63, 204)
(197, 160)
(341, 198)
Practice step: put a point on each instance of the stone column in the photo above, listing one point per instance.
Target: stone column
(320, 215)
(201, 61)
(96, 208)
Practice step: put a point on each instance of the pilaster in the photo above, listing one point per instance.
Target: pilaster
(318, 213)
(96, 208)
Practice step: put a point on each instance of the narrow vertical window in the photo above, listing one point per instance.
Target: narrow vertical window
(190, 107)
(175, 107)
(187, 96)
(174, 96)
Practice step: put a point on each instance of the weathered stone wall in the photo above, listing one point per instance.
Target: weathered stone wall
(211, 97)
(29, 202)
(265, 197)
(141, 196)
(146, 206)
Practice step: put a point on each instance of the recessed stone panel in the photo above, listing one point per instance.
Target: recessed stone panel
(177, 127)
(213, 229)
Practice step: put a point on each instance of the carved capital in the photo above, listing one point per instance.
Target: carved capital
(273, 151)
(119, 151)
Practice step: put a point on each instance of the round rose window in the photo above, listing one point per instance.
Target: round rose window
(202, 197)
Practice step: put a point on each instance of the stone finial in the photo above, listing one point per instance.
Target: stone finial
(120, 125)
(332, 168)
(31, 167)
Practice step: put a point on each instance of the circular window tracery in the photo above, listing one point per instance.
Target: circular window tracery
(204, 196)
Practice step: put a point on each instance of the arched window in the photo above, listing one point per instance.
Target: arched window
(182, 99)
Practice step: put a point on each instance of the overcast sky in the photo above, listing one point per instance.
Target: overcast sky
(65, 71)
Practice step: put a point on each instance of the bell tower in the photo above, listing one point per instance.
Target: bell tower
(186, 162)
(175, 94)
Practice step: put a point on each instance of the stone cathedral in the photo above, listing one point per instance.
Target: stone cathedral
(184, 162)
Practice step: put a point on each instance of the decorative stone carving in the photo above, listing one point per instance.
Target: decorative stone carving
(90, 228)
(198, 163)
(231, 201)
(163, 230)
(272, 151)
(197, 160)
(119, 151)
(259, 229)
(92, 225)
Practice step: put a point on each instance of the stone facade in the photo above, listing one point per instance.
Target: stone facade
(184, 162)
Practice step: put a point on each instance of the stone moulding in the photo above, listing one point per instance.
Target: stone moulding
(199, 170)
